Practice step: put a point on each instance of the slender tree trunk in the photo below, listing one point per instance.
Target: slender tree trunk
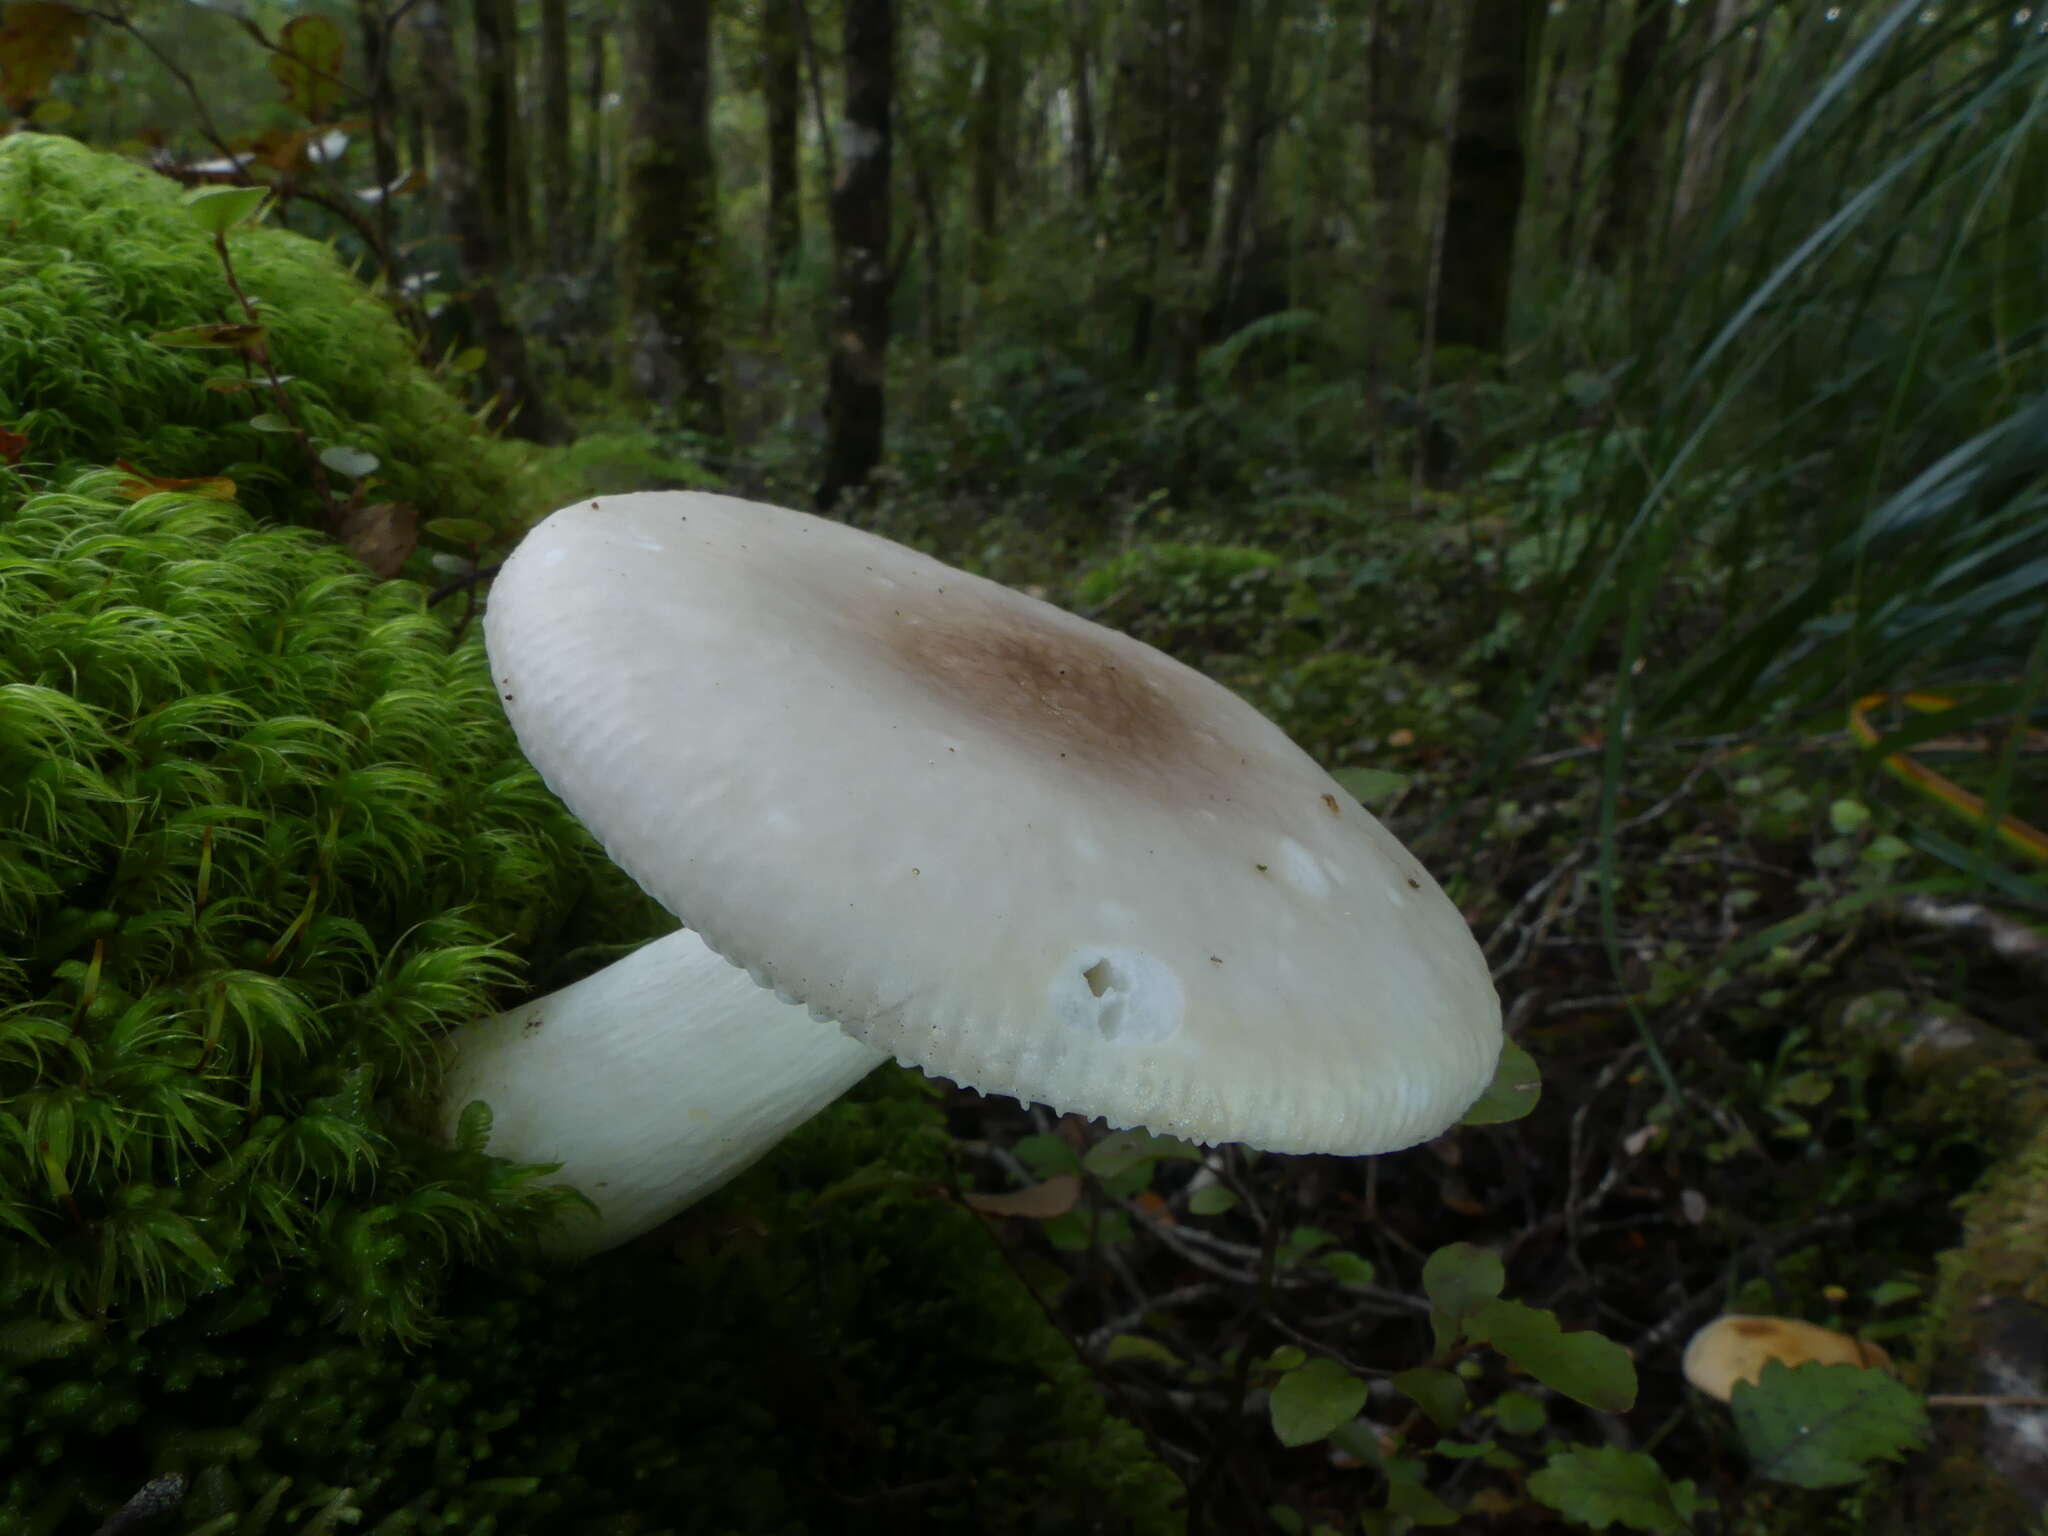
(557, 184)
(1483, 198)
(506, 366)
(379, 66)
(1248, 161)
(782, 96)
(1140, 126)
(1708, 117)
(989, 127)
(1080, 58)
(668, 257)
(1629, 207)
(1400, 129)
(855, 400)
(1576, 118)
(1202, 91)
(500, 158)
(594, 195)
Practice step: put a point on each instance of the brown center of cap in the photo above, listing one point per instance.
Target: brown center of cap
(1050, 690)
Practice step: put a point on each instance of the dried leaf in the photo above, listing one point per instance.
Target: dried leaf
(308, 64)
(139, 483)
(382, 535)
(38, 41)
(233, 334)
(1041, 1202)
(12, 445)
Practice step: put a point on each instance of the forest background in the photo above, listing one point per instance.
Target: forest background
(1608, 433)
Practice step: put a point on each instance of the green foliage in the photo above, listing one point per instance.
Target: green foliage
(1605, 1485)
(831, 1345)
(268, 837)
(102, 256)
(1313, 1399)
(1820, 1426)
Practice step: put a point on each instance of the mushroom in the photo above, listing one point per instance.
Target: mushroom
(1736, 1348)
(936, 820)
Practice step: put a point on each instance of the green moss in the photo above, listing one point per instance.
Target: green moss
(267, 837)
(100, 255)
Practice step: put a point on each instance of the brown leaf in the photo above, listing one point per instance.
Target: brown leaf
(382, 535)
(227, 333)
(307, 62)
(38, 40)
(12, 445)
(140, 484)
(1041, 1202)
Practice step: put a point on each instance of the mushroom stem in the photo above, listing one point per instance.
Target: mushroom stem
(652, 1083)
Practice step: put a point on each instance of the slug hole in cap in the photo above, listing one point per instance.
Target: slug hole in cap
(1120, 996)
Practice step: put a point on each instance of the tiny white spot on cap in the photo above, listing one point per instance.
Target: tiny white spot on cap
(1301, 869)
(1395, 898)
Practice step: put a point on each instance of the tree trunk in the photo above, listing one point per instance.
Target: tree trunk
(556, 179)
(1629, 207)
(1483, 198)
(1400, 128)
(989, 127)
(381, 91)
(506, 367)
(1247, 163)
(782, 97)
(1080, 39)
(854, 401)
(1140, 127)
(500, 157)
(668, 257)
(593, 195)
(1707, 118)
(1202, 103)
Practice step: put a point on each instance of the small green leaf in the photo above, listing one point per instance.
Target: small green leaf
(1314, 1399)
(1892, 1292)
(1366, 785)
(219, 209)
(1517, 1413)
(468, 360)
(1438, 1393)
(459, 530)
(1516, 1087)
(1286, 1358)
(270, 421)
(1211, 1200)
(1351, 1268)
(1458, 1280)
(1585, 1366)
(1417, 1503)
(1819, 1426)
(1848, 816)
(352, 462)
(1136, 1346)
(1043, 1155)
(228, 335)
(1606, 1485)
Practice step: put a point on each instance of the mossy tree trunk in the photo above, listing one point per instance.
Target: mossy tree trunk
(1081, 77)
(855, 399)
(669, 250)
(1483, 198)
(507, 369)
(1247, 161)
(782, 97)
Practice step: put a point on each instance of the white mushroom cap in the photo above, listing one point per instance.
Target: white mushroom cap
(989, 838)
